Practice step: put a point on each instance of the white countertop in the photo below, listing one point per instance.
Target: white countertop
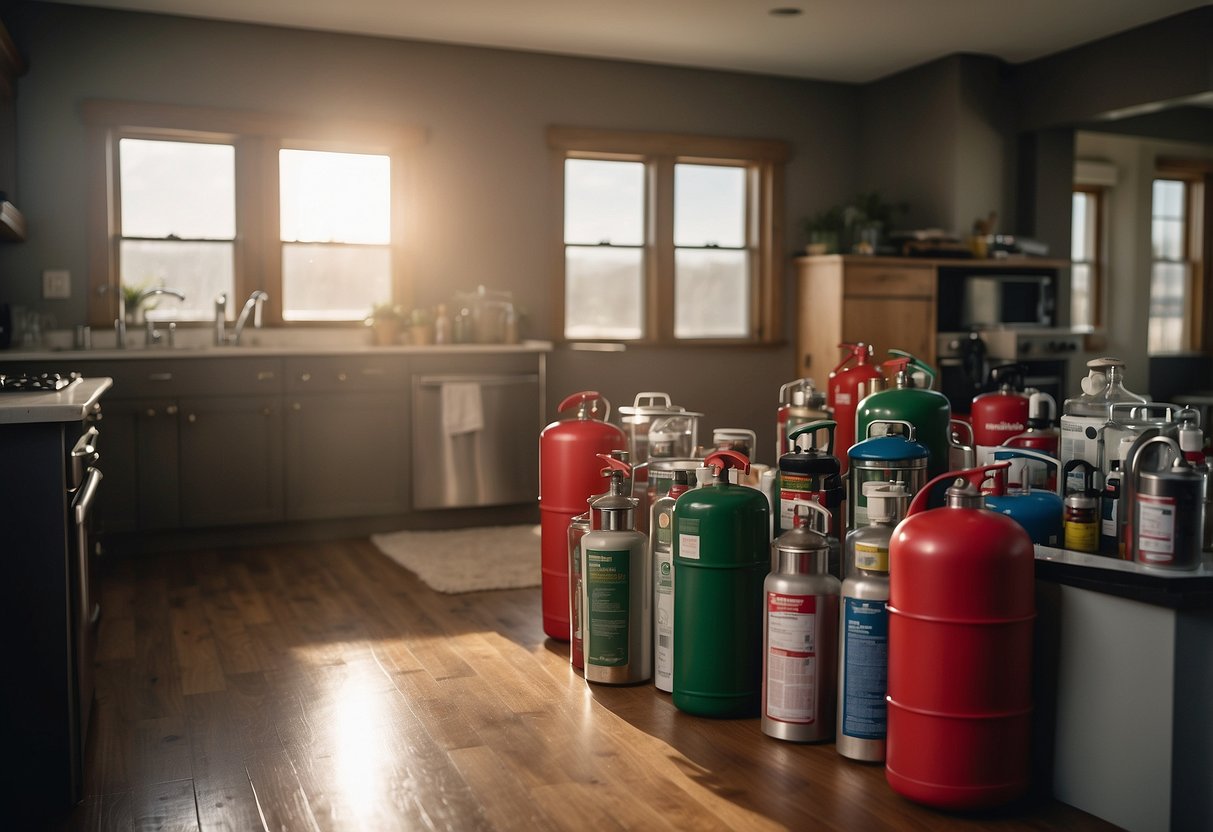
(70, 404)
(269, 349)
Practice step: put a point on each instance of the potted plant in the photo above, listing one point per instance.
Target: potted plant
(868, 219)
(823, 231)
(385, 322)
(421, 327)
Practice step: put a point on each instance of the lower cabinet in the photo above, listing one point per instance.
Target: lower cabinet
(346, 456)
(230, 460)
(139, 444)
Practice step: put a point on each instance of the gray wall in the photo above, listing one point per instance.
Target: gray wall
(482, 179)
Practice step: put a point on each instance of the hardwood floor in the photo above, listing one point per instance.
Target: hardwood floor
(322, 687)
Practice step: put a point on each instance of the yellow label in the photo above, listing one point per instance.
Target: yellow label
(871, 557)
(1082, 537)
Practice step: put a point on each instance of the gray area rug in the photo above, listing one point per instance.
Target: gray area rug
(467, 560)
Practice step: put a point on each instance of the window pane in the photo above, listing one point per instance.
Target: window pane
(334, 282)
(1167, 290)
(1080, 295)
(709, 206)
(1168, 198)
(1082, 231)
(180, 188)
(602, 296)
(200, 271)
(1168, 238)
(603, 202)
(711, 294)
(335, 197)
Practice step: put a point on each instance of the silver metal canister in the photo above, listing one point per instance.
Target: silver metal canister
(800, 633)
(889, 453)
(1168, 502)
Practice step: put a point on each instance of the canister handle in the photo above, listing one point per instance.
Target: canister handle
(721, 461)
(909, 427)
(1088, 475)
(812, 428)
(913, 361)
(1016, 453)
(858, 351)
(613, 464)
(1171, 444)
(822, 517)
(650, 399)
(800, 382)
(953, 424)
(974, 476)
(1171, 410)
(585, 397)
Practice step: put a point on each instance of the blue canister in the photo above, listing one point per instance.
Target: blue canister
(890, 452)
(1040, 512)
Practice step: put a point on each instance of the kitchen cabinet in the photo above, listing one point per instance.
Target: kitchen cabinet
(346, 437)
(886, 302)
(140, 448)
(229, 466)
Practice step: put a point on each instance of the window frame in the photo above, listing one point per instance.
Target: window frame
(1197, 176)
(257, 138)
(763, 160)
(1098, 194)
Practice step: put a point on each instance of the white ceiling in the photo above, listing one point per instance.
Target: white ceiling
(838, 40)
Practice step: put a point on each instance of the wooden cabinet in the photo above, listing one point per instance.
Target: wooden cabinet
(886, 302)
(346, 437)
(139, 444)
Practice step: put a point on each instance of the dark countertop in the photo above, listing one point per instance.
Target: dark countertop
(1173, 588)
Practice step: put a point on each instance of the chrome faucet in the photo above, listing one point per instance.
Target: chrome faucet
(152, 334)
(251, 306)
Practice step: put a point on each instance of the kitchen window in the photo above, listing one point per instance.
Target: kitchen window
(1171, 271)
(208, 202)
(1086, 246)
(668, 238)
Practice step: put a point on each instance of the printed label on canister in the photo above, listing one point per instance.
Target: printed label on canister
(663, 608)
(791, 666)
(1156, 528)
(1082, 527)
(665, 529)
(872, 557)
(608, 591)
(866, 645)
(1079, 440)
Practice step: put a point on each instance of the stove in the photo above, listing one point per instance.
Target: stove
(37, 382)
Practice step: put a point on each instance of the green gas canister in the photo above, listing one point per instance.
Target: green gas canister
(927, 410)
(721, 558)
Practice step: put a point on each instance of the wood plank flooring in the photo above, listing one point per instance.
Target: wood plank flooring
(322, 687)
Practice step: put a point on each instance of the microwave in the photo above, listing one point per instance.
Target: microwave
(991, 300)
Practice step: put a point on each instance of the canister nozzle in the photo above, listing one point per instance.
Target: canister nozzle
(966, 488)
(615, 508)
(585, 401)
(812, 516)
(859, 352)
(886, 500)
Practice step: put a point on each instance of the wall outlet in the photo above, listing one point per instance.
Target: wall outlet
(56, 284)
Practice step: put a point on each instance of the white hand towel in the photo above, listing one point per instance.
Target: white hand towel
(462, 408)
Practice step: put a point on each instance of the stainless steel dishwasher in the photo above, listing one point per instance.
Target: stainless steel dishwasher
(496, 465)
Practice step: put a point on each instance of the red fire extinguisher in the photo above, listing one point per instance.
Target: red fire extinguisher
(1000, 415)
(961, 610)
(847, 388)
(569, 474)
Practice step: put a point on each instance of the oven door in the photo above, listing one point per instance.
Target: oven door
(86, 613)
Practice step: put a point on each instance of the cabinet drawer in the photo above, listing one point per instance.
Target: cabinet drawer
(886, 281)
(229, 376)
(137, 378)
(356, 373)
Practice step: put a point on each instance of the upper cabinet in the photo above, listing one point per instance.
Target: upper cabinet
(12, 65)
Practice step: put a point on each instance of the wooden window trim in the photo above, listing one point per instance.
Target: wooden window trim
(257, 138)
(763, 160)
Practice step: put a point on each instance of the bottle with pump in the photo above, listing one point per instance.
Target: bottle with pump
(578, 527)
(661, 543)
(617, 593)
(1084, 416)
(721, 556)
(800, 632)
(863, 662)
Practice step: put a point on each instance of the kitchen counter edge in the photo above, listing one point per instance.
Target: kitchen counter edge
(136, 353)
(70, 404)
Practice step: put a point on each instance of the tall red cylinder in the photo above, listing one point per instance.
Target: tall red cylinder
(848, 385)
(961, 610)
(569, 474)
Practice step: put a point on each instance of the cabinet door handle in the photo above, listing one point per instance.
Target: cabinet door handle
(191, 418)
(159, 376)
(171, 410)
(341, 376)
(305, 376)
(296, 406)
(265, 375)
